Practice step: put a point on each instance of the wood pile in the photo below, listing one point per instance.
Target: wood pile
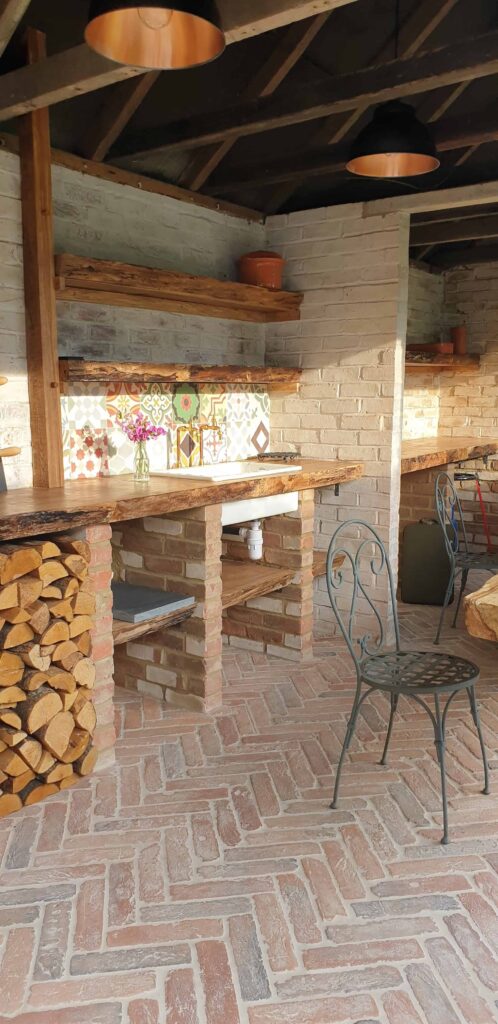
(47, 714)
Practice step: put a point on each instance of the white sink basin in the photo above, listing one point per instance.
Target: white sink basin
(249, 470)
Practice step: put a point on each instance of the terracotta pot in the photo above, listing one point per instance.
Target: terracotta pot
(261, 268)
(459, 336)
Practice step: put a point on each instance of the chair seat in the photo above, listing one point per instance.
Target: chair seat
(418, 671)
(482, 561)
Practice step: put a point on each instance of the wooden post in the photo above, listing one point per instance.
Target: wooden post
(39, 289)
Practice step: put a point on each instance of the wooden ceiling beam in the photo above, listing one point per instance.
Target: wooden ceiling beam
(452, 134)
(81, 70)
(468, 229)
(11, 13)
(416, 30)
(482, 194)
(461, 257)
(246, 18)
(265, 82)
(113, 116)
(463, 61)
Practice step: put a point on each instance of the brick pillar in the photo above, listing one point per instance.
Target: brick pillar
(101, 653)
(280, 623)
(179, 553)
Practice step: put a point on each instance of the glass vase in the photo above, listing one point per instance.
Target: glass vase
(142, 465)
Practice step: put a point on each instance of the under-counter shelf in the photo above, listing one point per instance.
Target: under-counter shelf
(243, 580)
(122, 632)
(274, 378)
(78, 279)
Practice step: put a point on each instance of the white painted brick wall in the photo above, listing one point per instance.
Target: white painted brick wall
(14, 402)
(350, 342)
(106, 220)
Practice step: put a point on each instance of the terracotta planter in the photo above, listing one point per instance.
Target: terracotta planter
(264, 269)
(459, 337)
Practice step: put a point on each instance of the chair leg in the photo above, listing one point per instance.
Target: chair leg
(447, 597)
(477, 722)
(394, 705)
(463, 584)
(439, 739)
(345, 747)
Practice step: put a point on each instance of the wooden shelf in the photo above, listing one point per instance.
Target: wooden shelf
(444, 364)
(124, 631)
(242, 580)
(122, 284)
(273, 377)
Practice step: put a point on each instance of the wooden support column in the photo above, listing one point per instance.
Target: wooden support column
(39, 289)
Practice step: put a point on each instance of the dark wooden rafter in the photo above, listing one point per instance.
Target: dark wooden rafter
(41, 319)
(447, 258)
(463, 61)
(468, 229)
(11, 12)
(114, 115)
(79, 69)
(451, 134)
(265, 82)
(414, 33)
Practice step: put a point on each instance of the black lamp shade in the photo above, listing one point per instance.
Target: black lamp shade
(156, 34)
(393, 145)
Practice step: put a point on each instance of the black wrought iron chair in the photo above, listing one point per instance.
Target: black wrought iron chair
(462, 561)
(383, 666)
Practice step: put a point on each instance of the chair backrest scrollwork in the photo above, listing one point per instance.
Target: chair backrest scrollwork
(450, 515)
(352, 587)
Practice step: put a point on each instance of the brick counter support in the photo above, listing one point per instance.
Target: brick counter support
(179, 553)
(280, 623)
(101, 653)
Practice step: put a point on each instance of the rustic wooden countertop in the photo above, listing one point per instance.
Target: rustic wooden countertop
(29, 511)
(428, 452)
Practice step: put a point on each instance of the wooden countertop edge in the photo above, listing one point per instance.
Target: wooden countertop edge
(445, 455)
(51, 511)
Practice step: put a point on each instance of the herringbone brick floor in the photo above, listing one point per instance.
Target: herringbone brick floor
(205, 881)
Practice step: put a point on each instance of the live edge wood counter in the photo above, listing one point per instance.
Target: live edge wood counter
(29, 512)
(428, 452)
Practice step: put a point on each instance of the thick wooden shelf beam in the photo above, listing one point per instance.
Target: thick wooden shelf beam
(122, 632)
(272, 377)
(428, 452)
(242, 580)
(122, 284)
(444, 364)
(41, 317)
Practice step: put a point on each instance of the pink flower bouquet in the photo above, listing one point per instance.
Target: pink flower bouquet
(139, 429)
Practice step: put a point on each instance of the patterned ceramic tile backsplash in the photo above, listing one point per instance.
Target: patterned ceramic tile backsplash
(94, 444)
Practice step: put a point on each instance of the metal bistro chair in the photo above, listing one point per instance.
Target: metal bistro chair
(414, 674)
(462, 560)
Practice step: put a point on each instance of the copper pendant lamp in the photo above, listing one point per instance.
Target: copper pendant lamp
(157, 34)
(393, 145)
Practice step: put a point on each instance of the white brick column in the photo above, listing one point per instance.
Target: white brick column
(350, 342)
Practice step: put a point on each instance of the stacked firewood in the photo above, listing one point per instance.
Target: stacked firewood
(47, 715)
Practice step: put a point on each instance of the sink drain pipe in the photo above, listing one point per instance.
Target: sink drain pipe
(253, 536)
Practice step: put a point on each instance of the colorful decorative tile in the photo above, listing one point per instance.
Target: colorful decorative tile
(261, 438)
(213, 403)
(187, 448)
(214, 447)
(122, 400)
(121, 451)
(156, 403)
(89, 454)
(186, 403)
(87, 404)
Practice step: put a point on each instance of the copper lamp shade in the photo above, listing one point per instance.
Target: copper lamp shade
(393, 145)
(157, 34)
